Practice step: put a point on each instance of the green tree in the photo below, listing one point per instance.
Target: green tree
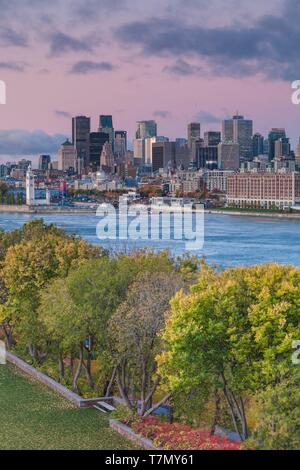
(232, 335)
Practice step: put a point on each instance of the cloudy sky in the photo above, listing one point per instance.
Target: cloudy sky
(169, 60)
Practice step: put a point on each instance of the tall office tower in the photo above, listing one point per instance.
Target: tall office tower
(148, 147)
(163, 155)
(106, 126)
(139, 149)
(212, 138)
(257, 145)
(146, 129)
(67, 157)
(120, 147)
(227, 130)
(81, 128)
(282, 148)
(275, 134)
(44, 162)
(239, 131)
(107, 160)
(194, 133)
(97, 140)
(207, 157)
(228, 156)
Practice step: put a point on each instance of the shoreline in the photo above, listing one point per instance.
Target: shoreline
(63, 210)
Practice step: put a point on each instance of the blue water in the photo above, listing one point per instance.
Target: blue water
(229, 240)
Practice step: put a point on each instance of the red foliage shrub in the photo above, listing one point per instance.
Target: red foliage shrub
(178, 436)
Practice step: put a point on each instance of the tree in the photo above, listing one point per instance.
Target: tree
(28, 268)
(134, 329)
(232, 334)
(277, 424)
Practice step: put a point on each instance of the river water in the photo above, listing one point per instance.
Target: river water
(229, 240)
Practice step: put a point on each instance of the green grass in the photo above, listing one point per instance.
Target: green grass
(32, 417)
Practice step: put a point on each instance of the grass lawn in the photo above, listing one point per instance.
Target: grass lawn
(32, 417)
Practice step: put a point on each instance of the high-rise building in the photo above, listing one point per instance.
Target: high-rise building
(107, 158)
(282, 147)
(194, 133)
(275, 134)
(106, 126)
(81, 128)
(239, 131)
(212, 138)
(67, 157)
(146, 129)
(148, 147)
(44, 162)
(228, 156)
(97, 140)
(139, 149)
(257, 145)
(120, 147)
(163, 155)
(207, 157)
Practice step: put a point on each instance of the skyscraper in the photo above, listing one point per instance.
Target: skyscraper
(44, 162)
(120, 148)
(97, 140)
(106, 126)
(257, 145)
(163, 155)
(67, 157)
(107, 158)
(81, 127)
(146, 129)
(239, 131)
(275, 134)
(228, 156)
(194, 133)
(148, 147)
(212, 138)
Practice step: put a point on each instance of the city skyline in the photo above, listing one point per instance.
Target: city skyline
(141, 62)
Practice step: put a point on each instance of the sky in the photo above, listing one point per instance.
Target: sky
(175, 61)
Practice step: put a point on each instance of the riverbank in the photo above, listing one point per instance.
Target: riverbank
(273, 215)
(78, 210)
(45, 210)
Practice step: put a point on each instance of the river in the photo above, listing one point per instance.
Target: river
(229, 240)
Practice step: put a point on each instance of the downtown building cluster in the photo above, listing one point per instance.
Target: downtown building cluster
(247, 168)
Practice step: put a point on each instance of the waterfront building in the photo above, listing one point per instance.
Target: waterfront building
(216, 180)
(266, 190)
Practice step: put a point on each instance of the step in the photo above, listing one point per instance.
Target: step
(99, 409)
(106, 406)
